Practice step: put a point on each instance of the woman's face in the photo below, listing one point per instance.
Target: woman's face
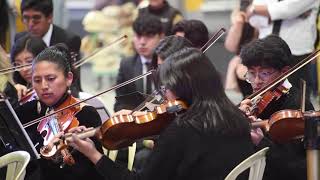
(22, 58)
(49, 82)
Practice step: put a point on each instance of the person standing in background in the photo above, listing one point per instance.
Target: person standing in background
(295, 22)
(239, 34)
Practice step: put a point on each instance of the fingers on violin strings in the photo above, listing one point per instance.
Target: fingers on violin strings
(122, 112)
(77, 129)
(139, 113)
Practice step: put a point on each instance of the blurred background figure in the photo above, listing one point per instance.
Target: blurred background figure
(167, 14)
(104, 27)
(10, 22)
(293, 21)
(194, 30)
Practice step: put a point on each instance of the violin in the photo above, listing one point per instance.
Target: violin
(122, 130)
(271, 87)
(267, 98)
(29, 96)
(50, 126)
(283, 125)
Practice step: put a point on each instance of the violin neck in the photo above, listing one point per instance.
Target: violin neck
(261, 124)
(86, 134)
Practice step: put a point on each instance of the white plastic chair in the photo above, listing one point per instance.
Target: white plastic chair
(97, 103)
(255, 162)
(16, 163)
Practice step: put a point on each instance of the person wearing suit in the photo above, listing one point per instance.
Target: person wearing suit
(37, 16)
(147, 34)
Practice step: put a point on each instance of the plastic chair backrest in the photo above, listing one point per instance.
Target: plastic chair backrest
(96, 103)
(255, 162)
(16, 163)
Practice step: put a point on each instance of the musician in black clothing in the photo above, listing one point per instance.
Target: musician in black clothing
(206, 141)
(267, 59)
(51, 78)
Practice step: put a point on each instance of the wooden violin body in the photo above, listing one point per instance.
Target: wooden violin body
(267, 98)
(123, 130)
(286, 125)
(50, 126)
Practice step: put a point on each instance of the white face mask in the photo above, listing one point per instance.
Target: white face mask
(258, 21)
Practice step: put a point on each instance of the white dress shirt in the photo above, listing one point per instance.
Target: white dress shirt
(47, 37)
(299, 33)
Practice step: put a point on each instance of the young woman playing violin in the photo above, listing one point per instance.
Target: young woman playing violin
(206, 141)
(23, 52)
(267, 59)
(51, 78)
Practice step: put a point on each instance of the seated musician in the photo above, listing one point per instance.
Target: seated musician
(23, 52)
(164, 49)
(267, 59)
(51, 79)
(206, 141)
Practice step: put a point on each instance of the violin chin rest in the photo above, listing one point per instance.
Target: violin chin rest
(48, 153)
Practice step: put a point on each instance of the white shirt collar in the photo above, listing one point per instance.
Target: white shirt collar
(144, 60)
(287, 84)
(47, 37)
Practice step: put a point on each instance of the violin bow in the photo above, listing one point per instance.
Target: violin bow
(84, 60)
(285, 75)
(303, 96)
(71, 105)
(212, 40)
(76, 64)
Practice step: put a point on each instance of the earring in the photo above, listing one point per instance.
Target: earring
(69, 90)
(38, 107)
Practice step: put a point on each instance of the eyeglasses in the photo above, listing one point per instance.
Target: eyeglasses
(35, 18)
(27, 62)
(263, 75)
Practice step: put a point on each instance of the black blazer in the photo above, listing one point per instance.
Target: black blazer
(60, 35)
(129, 68)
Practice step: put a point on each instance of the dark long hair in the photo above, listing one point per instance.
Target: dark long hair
(32, 44)
(271, 51)
(57, 54)
(168, 46)
(189, 74)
